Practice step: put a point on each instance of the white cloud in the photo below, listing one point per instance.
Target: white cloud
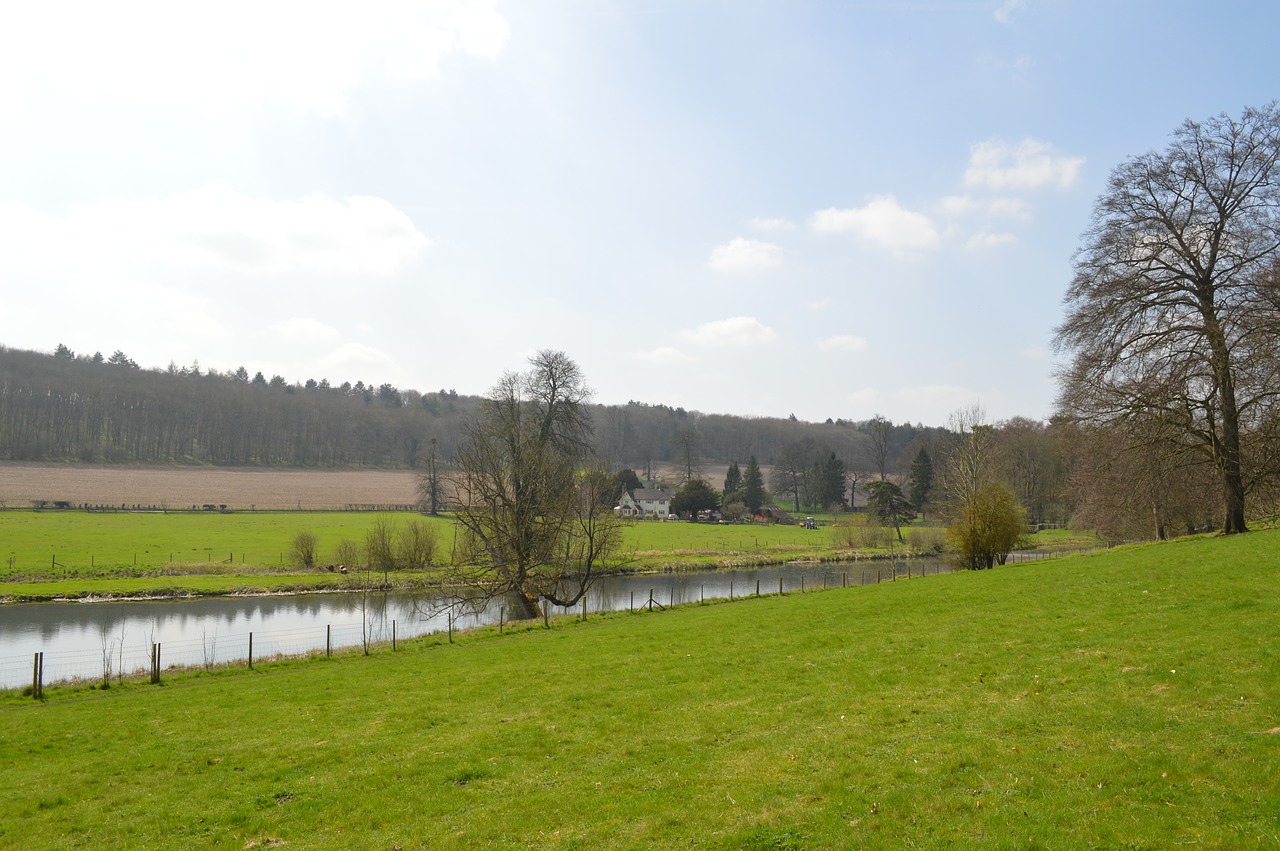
(771, 224)
(353, 356)
(1034, 353)
(745, 255)
(843, 343)
(1000, 207)
(882, 221)
(216, 57)
(304, 330)
(733, 332)
(665, 355)
(987, 239)
(1030, 164)
(1007, 9)
(219, 227)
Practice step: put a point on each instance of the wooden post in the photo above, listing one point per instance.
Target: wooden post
(844, 580)
(328, 640)
(757, 587)
(633, 602)
(450, 616)
(702, 594)
(502, 618)
(802, 583)
(393, 636)
(779, 586)
(251, 651)
(584, 606)
(730, 589)
(37, 676)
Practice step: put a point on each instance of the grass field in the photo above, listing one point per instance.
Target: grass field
(49, 554)
(1129, 699)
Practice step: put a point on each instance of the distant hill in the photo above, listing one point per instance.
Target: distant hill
(95, 409)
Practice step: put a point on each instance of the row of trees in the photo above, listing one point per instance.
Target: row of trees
(90, 408)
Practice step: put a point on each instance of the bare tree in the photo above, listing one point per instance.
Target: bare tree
(430, 488)
(534, 528)
(880, 430)
(1173, 311)
(686, 445)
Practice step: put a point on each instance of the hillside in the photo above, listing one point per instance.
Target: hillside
(66, 407)
(1121, 700)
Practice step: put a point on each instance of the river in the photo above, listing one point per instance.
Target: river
(81, 640)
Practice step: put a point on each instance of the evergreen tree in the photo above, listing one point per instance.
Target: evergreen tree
(828, 482)
(732, 480)
(920, 479)
(753, 486)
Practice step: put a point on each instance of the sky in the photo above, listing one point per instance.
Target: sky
(832, 209)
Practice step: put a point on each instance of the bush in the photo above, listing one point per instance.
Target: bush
(861, 533)
(926, 540)
(305, 546)
(416, 545)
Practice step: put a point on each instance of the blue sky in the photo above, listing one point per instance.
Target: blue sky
(832, 209)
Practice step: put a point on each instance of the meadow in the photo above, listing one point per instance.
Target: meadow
(1127, 699)
(48, 554)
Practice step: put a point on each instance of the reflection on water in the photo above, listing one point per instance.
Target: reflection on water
(80, 640)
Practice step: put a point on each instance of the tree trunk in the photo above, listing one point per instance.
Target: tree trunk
(524, 607)
(1228, 451)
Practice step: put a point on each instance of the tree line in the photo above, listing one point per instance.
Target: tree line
(89, 408)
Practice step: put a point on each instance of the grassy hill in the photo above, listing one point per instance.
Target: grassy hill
(1128, 699)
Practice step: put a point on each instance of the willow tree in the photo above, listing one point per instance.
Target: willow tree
(536, 516)
(1172, 313)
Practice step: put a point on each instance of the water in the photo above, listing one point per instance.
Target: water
(80, 640)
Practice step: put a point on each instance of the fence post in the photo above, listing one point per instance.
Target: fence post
(584, 606)
(844, 580)
(633, 603)
(779, 586)
(251, 651)
(450, 615)
(328, 640)
(731, 589)
(37, 676)
(393, 636)
(702, 593)
(502, 618)
(757, 587)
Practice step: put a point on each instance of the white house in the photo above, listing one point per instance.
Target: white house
(645, 502)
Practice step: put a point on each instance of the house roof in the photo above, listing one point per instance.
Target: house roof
(649, 493)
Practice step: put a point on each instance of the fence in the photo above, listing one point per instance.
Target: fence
(121, 653)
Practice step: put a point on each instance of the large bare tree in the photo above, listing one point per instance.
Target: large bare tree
(536, 525)
(1172, 312)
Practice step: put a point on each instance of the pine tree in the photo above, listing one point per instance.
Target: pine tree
(753, 486)
(920, 479)
(732, 480)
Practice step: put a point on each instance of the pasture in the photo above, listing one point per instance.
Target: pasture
(1126, 699)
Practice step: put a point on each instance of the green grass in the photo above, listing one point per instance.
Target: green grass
(50, 554)
(1125, 700)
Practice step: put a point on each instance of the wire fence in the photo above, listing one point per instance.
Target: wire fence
(142, 646)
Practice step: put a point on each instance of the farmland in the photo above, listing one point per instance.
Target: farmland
(182, 488)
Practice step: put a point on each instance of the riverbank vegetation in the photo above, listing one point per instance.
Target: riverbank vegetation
(1123, 699)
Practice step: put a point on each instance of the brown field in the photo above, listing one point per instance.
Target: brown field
(184, 487)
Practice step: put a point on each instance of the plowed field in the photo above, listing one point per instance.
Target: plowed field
(21, 484)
